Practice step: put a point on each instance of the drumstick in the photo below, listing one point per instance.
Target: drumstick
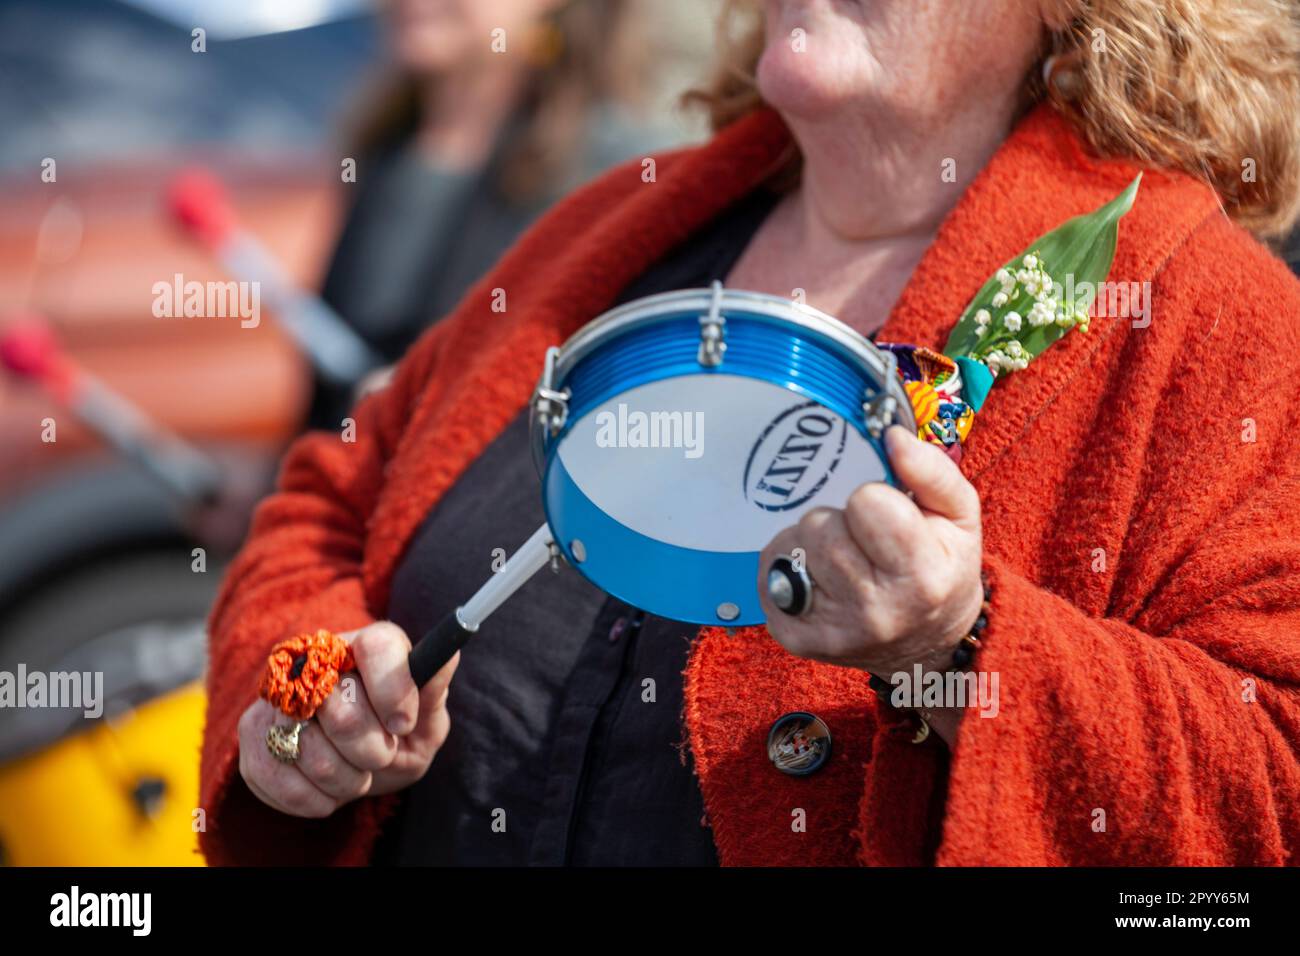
(449, 635)
(29, 350)
(199, 203)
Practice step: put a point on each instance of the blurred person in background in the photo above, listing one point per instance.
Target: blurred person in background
(492, 110)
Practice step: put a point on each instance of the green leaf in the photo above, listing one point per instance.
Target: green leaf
(1083, 247)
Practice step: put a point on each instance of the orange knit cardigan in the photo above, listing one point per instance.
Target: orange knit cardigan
(1141, 533)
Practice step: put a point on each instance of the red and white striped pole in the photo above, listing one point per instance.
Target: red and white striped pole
(30, 351)
(200, 204)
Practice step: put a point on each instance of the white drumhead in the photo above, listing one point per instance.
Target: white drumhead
(715, 462)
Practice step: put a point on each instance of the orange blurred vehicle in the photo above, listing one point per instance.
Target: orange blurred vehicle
(103, 567)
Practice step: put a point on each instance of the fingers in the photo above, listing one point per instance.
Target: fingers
(380, 651)
(842, 578)
(786, 541)
(436, 689)
(431, 729)
(889, 572)
(886, 525)
(347, 751)
(352, 726)
(833, 559)
(934, 479)
(322, 764)
(418, 748)
(279, 785)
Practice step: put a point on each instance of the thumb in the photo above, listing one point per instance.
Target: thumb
(935, 481)
(433, 695)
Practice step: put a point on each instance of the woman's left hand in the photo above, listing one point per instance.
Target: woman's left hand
(896, 580)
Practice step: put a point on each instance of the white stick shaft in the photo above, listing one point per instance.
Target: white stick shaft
(339, 352)
(521, 566)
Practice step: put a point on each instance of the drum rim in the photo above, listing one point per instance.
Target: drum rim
(647, 309)
(631, 315)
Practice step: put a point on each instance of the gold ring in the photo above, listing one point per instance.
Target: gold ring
(282, 741)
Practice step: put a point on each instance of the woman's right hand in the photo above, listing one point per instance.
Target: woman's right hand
(375, 736)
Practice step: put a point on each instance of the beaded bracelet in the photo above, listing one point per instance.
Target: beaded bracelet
(962, 655)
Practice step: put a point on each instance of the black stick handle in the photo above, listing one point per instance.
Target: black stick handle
(435, 649)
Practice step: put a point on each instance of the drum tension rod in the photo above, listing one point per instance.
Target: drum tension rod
(550, 404)
(879, 409)
(713, 331)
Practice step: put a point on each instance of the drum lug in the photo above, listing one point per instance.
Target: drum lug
(879, 413)
(879, 410)
(713, 331)
(551, 405)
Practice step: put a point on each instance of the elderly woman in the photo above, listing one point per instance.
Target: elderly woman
(1128, 500)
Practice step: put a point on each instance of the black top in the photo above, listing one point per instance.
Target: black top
(419, 234)
(567, 741)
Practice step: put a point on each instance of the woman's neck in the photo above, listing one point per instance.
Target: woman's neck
(874, 175)
(871, 198)
(463, 111)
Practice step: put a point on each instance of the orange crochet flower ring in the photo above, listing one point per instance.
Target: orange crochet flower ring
(301, 672)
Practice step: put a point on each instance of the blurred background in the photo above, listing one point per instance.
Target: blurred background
(221, 220)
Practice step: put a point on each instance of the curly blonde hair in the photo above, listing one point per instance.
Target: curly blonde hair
(1209, 87)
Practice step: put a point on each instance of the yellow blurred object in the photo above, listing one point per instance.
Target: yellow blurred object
(121, 794)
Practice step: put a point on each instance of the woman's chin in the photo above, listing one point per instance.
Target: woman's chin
(431, 45)
(798, 84)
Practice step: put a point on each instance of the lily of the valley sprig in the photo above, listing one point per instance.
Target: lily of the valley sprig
(1032, 288)
(1033, 300)
(1027, 304)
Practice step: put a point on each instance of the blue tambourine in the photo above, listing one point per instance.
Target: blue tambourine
(677, 434)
